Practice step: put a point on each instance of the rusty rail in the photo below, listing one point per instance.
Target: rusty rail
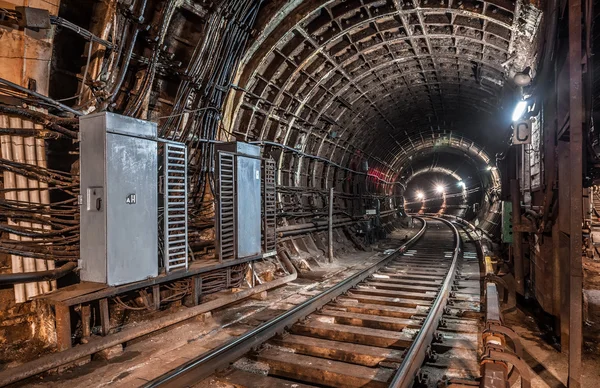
(502, 347)
(416, 354)
(206, 364)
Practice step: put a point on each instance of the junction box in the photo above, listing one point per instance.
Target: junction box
(119, 204)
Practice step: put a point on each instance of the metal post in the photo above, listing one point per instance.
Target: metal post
(515, 195)
(330, 240)
(576, 187)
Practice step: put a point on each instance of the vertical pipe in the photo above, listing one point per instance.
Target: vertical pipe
(11, 195)
(18, 153)
(576, 200)
(330, 219)
(40, 152)
(34, 197)
(515, 195)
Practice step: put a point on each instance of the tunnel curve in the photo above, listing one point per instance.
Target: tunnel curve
(375, 83)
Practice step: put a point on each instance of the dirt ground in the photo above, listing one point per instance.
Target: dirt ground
(543, 357)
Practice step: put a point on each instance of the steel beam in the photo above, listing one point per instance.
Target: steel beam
(576, 200)
(330, 221)
(515, 195)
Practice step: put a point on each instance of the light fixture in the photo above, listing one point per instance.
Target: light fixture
(519, 110)
(440, 189)
(420, 195)
(461, 184)
(489, 168)
(523, 78)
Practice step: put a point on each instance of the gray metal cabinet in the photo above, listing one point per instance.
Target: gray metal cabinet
(119, 210)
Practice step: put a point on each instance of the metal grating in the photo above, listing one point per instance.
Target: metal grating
(269, 206)
(226, 208)
(175, 207)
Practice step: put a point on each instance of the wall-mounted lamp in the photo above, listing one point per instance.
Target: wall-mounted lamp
(519, 110)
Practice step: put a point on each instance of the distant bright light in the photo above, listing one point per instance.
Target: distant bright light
(461, 184)
(440, 189)
(420, 195)
(519, 110)
(489, 168)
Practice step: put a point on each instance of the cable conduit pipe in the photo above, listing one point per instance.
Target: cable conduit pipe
(39, 276)
(324, 160)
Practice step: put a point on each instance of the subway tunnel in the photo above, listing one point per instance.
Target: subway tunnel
(340, 193)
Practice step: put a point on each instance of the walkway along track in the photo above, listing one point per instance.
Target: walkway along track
(374, 329)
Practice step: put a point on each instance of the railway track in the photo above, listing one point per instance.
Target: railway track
(415, 314)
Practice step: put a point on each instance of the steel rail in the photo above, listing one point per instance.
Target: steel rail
(206, 364)
(416, 353)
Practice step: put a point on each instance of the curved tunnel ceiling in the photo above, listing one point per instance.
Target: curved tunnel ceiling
(329, 78)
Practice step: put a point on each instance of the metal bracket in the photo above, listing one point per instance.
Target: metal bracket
(520, 366)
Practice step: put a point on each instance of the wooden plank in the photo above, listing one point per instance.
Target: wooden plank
(65, 293)
(435, 267)
(86, 292)
(433, 264)
(156, 297)
(104, 316)
(434, 260)
(86, 314)
(402, 302)
(413, 274)
(369, 320)
(387, 279)
(63, 327)
(242, 379)
(400, 287)
(388, 311)
(322, 371)
(339, 351)
(430, 295)
(354, 334)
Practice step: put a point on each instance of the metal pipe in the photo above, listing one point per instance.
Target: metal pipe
(18, 154)
(11, 195)
(44, 363)
(40, 151)
(46, 99)
(330, 240)
(311, 226)
(39, 276)
(515, 195)
(313, 229)
(34, 198)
